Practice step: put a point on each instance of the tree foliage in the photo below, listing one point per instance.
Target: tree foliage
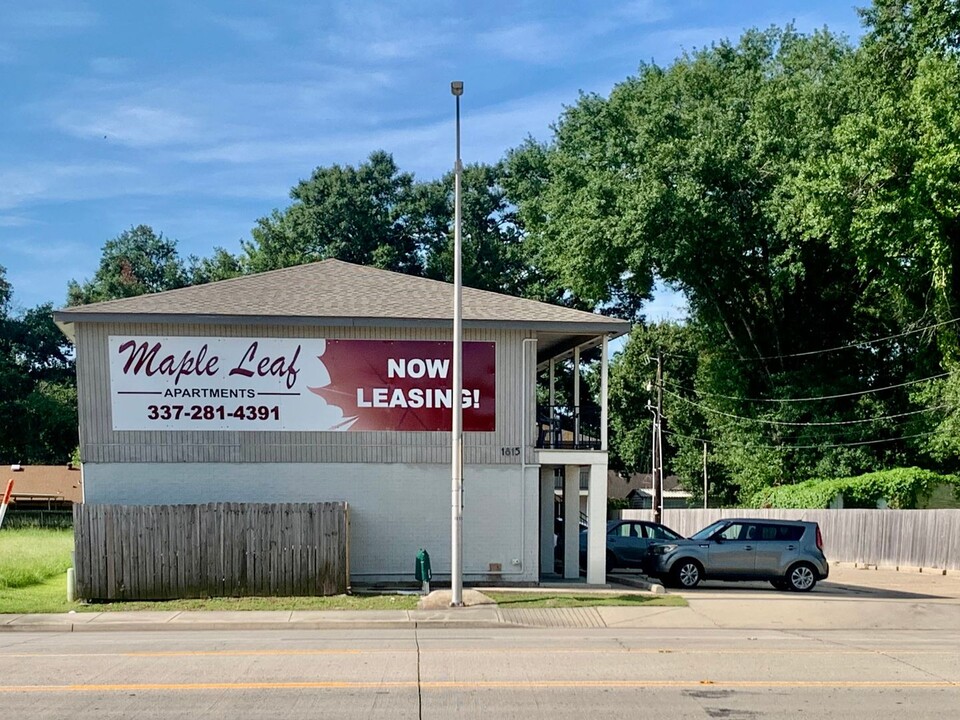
(902, 488)
(136, 262)
(38, 400)
(804, 195)
(352, 214)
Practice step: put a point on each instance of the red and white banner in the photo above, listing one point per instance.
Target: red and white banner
(296, 384)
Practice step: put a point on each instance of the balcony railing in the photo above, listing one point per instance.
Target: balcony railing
(567, 427)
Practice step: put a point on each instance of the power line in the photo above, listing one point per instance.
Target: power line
(799, 447)
(861, 344)
(803, 424)
(806, 399)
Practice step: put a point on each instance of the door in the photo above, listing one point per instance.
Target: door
(778, 544)
(628, 543)
(733, 552)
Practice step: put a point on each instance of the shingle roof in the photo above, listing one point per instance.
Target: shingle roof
(333, 289)
(57, 481)
(620, 487)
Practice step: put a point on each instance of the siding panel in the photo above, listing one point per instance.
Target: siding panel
(101, 444)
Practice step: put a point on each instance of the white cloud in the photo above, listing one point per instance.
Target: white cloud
(643, 11)
(249, 29)
(55, 181)
(375, 33)
(425, 148)
(51, 251)
(532, 42)
(139, 126)
(16, 221)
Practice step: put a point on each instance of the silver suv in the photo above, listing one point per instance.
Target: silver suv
(787, 553)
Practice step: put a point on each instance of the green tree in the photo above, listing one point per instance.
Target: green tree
(38, 402)
(222, 265)
(718, 175)
(494, 256)
(353, 214)
(136, 262)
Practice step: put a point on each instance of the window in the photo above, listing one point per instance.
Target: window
(734, 532)
(656, 532)
(627, 529)
(780, 533)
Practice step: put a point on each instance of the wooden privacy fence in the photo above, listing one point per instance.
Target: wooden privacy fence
(894, 538)
(159, 552)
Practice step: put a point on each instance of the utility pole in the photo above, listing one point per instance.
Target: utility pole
(704, 476)
(658, 447)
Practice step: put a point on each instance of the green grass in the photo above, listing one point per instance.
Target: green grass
(30, 556)
(49, 596)
(566, 600)
(34, 561)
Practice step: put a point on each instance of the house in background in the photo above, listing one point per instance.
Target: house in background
(45, 487)
(637, 489)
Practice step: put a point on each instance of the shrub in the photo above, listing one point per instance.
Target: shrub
(900, 488)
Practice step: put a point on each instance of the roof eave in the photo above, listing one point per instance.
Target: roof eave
(65, 319)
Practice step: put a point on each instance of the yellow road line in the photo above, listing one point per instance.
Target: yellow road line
(481, 685)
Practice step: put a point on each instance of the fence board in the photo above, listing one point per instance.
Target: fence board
(896, 538)
(231, 549)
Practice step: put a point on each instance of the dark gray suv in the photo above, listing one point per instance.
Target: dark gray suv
(787, 553)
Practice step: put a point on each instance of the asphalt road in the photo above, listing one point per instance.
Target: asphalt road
(499, 673)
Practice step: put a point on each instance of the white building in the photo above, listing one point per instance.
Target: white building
(330, 382)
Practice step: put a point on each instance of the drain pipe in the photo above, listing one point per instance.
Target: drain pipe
(523, 446)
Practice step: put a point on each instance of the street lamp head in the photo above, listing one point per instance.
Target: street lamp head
(456, 87)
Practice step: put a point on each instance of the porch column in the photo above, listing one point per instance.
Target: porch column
(571, 522)
(546, 519)
(597, 520)
(553, 402)
(576, 396)
(604, 391)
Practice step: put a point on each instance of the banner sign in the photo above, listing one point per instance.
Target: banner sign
(297, 384)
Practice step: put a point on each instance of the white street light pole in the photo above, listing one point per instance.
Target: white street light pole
(456, 470)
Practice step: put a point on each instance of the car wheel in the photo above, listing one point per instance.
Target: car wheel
(801, 577)
(687, 574)
(611, 561)
(780, 584)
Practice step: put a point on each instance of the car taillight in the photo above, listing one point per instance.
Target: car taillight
(819, 539)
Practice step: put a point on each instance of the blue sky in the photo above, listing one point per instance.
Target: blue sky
(197, 117)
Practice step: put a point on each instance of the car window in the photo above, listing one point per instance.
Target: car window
(788, 533)
(659, 532)
(770, 532)
(734, 532)
(625, 530)
(708, 531)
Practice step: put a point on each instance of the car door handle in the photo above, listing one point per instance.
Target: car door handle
(791, 547)
(749, 547)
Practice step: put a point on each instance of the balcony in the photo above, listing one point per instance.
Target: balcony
(568, 427)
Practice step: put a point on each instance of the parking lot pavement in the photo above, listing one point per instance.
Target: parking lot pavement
(847, 581)
(852, 599)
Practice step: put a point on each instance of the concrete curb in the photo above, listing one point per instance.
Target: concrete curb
(222, 627)
(639, 583)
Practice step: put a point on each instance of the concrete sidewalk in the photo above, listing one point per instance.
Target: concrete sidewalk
(852, 599)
